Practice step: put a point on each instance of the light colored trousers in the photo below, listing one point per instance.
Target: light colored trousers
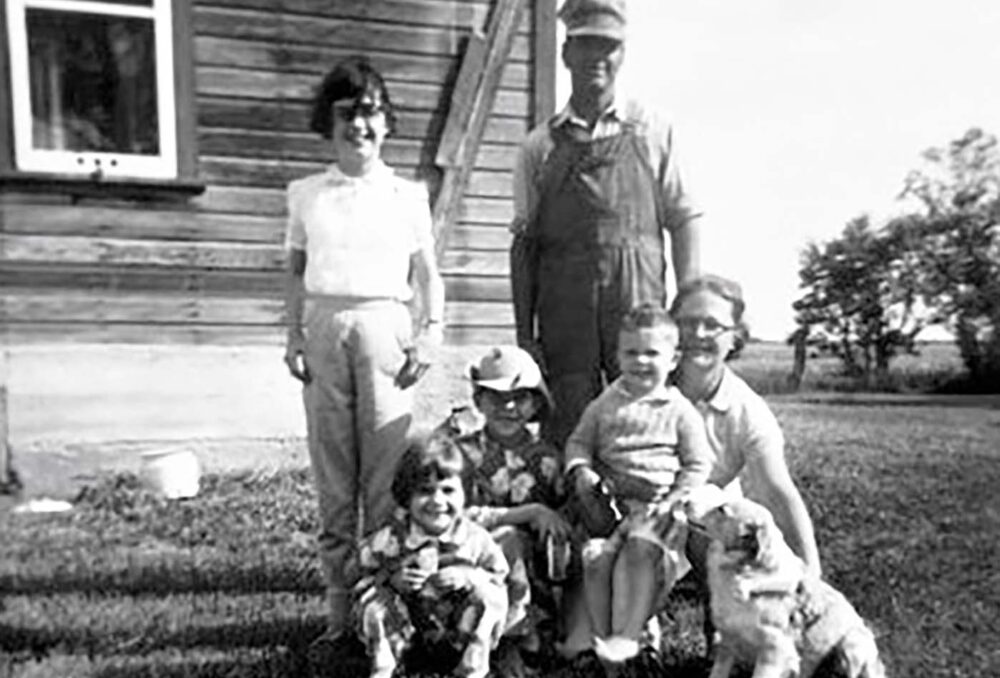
(357, 421)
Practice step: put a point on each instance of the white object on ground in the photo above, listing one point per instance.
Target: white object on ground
(43, 505)
(173, 472)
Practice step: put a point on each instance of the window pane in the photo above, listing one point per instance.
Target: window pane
(93, 82)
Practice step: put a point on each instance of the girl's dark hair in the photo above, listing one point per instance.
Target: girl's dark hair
(730, 290)
(350, 79)
(428, 459)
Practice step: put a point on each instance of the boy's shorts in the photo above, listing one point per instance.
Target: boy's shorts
(654, 525)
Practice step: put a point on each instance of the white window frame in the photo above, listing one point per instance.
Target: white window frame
(30, 159)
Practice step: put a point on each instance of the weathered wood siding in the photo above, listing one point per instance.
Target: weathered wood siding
(210, 268)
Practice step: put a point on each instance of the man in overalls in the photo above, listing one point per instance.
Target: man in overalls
(596, 190)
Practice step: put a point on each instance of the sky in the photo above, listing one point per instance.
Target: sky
(793, 117)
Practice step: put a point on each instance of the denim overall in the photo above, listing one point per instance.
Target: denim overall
(600, 250)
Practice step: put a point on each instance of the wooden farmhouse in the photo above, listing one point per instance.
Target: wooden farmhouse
(145, 146)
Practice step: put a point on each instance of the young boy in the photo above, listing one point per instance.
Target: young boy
(517, 481)
(431, 579)
(648, 445)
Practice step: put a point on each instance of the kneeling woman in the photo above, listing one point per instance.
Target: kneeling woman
(743, 432)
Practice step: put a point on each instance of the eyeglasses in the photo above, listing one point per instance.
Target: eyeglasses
(348, 111)
(710, 326)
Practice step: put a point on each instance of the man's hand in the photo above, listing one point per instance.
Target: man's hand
(412, 369)
(295, 357)
(452, 578)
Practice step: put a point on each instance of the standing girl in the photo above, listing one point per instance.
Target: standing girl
(355, 234)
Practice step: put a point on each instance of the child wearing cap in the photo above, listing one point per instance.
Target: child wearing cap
(648, 445)
(431, 581)
(517, 480)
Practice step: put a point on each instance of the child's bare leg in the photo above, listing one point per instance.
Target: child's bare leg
(636, 582)
(579, 635)
(638, 579)
(598, 563)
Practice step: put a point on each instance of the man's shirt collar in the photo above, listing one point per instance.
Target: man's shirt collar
(570, 116)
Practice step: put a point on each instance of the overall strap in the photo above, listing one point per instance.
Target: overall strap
(640, 146)
(557, 167)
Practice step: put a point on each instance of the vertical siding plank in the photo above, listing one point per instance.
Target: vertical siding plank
(545, 60)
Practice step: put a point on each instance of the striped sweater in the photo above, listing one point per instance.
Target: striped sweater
(645, 447)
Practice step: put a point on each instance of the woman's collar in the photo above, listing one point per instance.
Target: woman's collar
(722, 398)
(378, 169)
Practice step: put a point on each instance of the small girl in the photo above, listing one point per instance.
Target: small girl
(431, 580)
(517, 483)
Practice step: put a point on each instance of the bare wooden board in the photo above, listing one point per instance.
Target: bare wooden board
(237, 112)
(319, 30)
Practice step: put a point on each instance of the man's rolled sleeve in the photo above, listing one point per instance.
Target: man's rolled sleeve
(676, 208)
(526, 176)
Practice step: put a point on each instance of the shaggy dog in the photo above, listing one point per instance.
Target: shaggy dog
(768, 611)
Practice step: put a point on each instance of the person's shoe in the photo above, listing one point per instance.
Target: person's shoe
(616, 649)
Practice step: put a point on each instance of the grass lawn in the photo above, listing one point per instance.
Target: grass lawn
(903, 494)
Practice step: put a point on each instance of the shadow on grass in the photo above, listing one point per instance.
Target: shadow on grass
(166, 578)
(272, 664)
(253, 633)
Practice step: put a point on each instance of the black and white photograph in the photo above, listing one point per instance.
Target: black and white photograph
(499, 339)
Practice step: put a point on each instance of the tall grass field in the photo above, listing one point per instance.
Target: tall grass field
(902, 490)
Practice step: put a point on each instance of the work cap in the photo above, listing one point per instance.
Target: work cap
(605, 18)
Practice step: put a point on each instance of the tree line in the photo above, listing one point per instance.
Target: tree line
(871, 290)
